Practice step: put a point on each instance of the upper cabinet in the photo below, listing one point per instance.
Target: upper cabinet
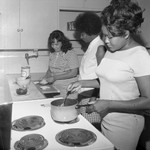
(26, 24)
(96, 5)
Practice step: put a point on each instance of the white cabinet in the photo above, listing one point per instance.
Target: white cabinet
(9, 23)
(27, 24)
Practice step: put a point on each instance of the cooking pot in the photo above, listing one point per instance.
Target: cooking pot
(64, 113)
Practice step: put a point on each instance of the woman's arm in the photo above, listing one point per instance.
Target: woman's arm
(70, 74)
(67, 75)
(90, 83)
(76, 86)
(138, 105)
(100, 53)
(48, 73)
(141, 103)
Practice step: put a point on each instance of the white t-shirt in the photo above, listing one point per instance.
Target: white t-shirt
(89, 63)
(117, 72)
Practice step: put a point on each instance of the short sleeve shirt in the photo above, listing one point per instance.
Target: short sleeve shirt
(62, 62)
(89, 63)
(117, 72)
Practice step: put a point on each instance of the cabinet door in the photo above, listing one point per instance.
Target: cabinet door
(9, 22)
(26, 24)
(37, 19)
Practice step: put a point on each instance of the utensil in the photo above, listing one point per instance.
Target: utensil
(85, 105)
(63, 104)
(28, 77)
(43, 82)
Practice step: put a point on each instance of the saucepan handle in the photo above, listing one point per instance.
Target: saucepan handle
(85, 105)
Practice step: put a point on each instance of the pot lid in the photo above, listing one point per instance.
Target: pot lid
(76, 137)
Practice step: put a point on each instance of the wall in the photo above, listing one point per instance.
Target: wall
(145, 31)
(65, 17)
(11, 62)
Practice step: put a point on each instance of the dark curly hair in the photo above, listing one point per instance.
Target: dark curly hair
(88, 22)
(59, 36)
(122, 15)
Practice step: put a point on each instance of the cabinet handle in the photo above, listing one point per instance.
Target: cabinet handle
(19, 30)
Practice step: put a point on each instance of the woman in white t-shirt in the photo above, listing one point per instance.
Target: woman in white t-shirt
(88, 25)
(124, 75)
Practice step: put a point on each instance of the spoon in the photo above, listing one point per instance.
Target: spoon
(63, 104)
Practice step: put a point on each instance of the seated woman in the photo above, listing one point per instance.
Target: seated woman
(63, 63)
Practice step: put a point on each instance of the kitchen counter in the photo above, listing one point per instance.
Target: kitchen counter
(33, 92)
(51, 128)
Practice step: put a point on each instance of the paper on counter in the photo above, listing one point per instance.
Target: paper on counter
(45, 87)
(36, 82)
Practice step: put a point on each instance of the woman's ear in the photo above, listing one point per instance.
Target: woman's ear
(127, 33)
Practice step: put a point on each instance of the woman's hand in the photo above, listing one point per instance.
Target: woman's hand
(43, 81)
(101, 106)
(51, 79)
(74, 87)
